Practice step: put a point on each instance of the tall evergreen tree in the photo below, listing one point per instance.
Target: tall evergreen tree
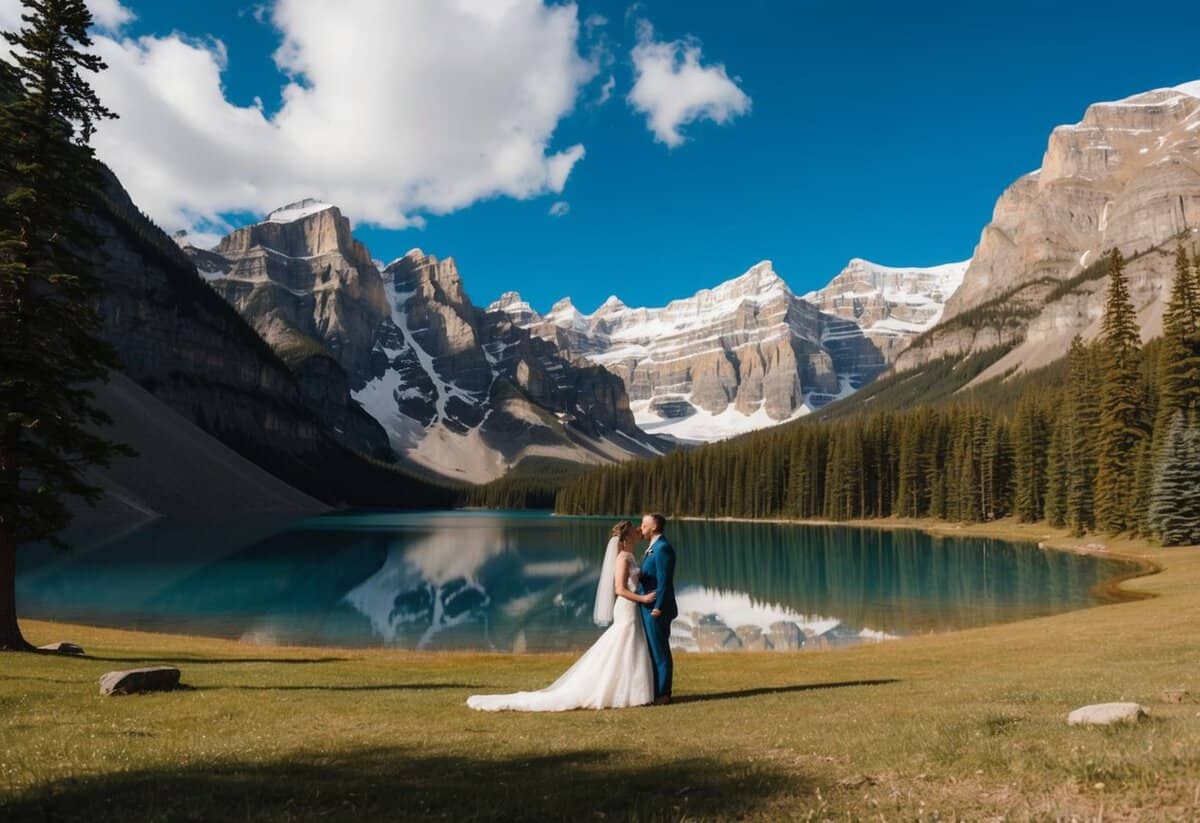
(49, 350)
(1179, 350)
(1175, 501)
(1030, 441)
(1122, 407)
(1057, 473)
(1079, 439)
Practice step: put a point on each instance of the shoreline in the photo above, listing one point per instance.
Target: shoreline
(970, 724)
(1132, 550)
(1112, 591)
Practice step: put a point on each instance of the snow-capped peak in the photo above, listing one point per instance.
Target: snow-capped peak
(511, 302)
(298, 210)
(1192, 88)
(613, 303)
(758, 277)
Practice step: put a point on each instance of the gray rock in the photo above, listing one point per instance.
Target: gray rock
(715, 637)
(62, 647)
(786, 636)
(753, 639)
(138, 681)
(1106, 714)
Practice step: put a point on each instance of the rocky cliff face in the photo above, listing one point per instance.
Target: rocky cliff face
(743, 355)
(1126, 176)
(443, 384)
(470, 393)
(891, 305)
(181, 341)
(313, 293)
(303, 277)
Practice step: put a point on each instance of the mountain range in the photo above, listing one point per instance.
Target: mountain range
(446, 386)
(747, 353)
(1126, 176)
(469, 393)
(395, 362)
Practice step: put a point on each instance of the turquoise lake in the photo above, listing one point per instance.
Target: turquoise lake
(522, 581)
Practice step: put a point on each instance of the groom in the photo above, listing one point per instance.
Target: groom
(658, 575)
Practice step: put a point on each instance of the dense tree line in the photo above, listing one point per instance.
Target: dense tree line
(1112, 447)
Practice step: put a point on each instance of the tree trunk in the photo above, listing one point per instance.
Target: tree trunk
(11, 638)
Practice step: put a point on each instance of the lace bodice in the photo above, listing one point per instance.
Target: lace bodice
(634, 575)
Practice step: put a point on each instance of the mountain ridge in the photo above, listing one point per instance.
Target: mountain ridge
(1127, 175)
(447, 386)
(754, 353)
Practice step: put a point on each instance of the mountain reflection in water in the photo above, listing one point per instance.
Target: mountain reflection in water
(509, 581)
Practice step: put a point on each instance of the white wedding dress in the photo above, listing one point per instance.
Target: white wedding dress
(614, 673)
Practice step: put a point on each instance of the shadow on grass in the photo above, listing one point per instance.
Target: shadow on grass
(204, 661)
(805, 687)
(392, 783)
(374, 687)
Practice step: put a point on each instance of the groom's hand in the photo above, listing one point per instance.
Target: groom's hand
(656, 613)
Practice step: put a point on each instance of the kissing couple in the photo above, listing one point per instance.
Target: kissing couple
(630, 665)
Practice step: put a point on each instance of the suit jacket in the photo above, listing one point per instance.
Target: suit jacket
(658, 575)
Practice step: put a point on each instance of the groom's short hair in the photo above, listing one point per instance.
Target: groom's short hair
(660, 522)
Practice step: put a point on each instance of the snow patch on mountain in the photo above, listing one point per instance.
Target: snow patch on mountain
(298, 211)
(741, 356)
(890, 301)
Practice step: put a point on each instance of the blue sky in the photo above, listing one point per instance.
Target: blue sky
(876, 129)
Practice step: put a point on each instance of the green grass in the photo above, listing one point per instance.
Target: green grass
(969, 725)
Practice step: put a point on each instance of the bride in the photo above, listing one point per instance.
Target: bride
(616, 671)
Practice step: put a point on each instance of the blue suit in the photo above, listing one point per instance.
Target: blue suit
(658, 575)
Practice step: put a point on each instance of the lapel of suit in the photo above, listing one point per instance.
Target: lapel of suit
(650, 551)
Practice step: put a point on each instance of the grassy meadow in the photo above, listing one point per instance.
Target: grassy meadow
(968, 725)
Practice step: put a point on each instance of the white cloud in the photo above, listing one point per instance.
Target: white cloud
(392, 110)
(559, 208)
(108, 15)
(672, 88)
(606, 90)
(10, 20)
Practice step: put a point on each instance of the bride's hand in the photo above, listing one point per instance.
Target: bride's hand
(648, 597)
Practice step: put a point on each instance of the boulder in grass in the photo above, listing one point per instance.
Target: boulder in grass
(62, 647)
(715, 637)
(752, 638)
(786, 636)
(138, 681)
(1107, 714)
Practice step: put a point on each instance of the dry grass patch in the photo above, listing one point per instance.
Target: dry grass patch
(968, 726)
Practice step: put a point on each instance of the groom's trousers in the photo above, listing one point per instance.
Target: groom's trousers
(658, 635)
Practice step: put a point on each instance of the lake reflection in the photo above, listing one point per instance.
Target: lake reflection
(498, 581)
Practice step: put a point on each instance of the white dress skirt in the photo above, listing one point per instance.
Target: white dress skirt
(614, 673)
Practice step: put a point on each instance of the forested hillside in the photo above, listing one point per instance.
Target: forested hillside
(1107, 441)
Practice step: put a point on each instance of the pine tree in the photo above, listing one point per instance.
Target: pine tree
(48, 317)
(911, 472)
(1030, 441)
(1179, 350)
(1143, 487)
(1079, 440)
(1121, 404)
(1057, 474)
(1175, 500)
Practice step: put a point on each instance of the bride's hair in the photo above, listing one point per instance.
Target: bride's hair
(621, 529)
